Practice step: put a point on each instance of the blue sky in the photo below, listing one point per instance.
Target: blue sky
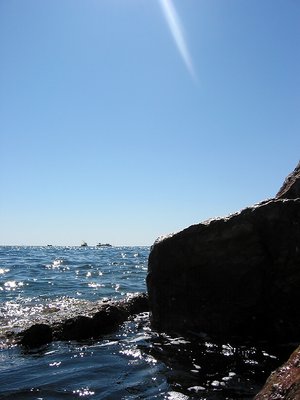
(122, 120)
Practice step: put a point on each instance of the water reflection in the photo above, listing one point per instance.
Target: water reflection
(138, 363)
(135, 362)
(197, 367)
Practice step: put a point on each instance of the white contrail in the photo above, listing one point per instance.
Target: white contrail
(177, 33)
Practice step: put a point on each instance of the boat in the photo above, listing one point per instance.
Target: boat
(83, 244)
(103, 245)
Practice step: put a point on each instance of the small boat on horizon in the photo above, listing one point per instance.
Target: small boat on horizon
(103, 245)
(83, 244)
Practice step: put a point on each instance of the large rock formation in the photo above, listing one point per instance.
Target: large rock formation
(233, 276)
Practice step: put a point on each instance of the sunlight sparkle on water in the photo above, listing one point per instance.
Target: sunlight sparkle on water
(84, 392)
(12, 285)
(3, 271)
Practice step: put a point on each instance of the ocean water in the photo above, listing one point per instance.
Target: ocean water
(135, 362)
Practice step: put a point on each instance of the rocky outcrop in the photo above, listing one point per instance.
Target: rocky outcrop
(99, 321)
(291, 186)
(284, 383)
(232, 276)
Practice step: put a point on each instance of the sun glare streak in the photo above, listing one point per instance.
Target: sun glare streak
(177, 33)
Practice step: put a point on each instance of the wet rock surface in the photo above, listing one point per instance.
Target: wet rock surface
(284, 383)
(97, 320)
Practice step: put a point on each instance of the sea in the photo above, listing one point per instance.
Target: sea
(135, 362)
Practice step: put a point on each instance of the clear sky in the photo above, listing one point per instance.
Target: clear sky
(122, 120)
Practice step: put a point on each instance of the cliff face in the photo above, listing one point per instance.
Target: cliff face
(232, 276)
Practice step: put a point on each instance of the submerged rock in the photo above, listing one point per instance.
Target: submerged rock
(99, 319)
(284, 383)
(232, 276)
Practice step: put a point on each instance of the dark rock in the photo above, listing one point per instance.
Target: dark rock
(138, 303)
(77, 328)
(234, 276)
(291, 186)
(108, 319)
(284, 383)
(37, 335)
